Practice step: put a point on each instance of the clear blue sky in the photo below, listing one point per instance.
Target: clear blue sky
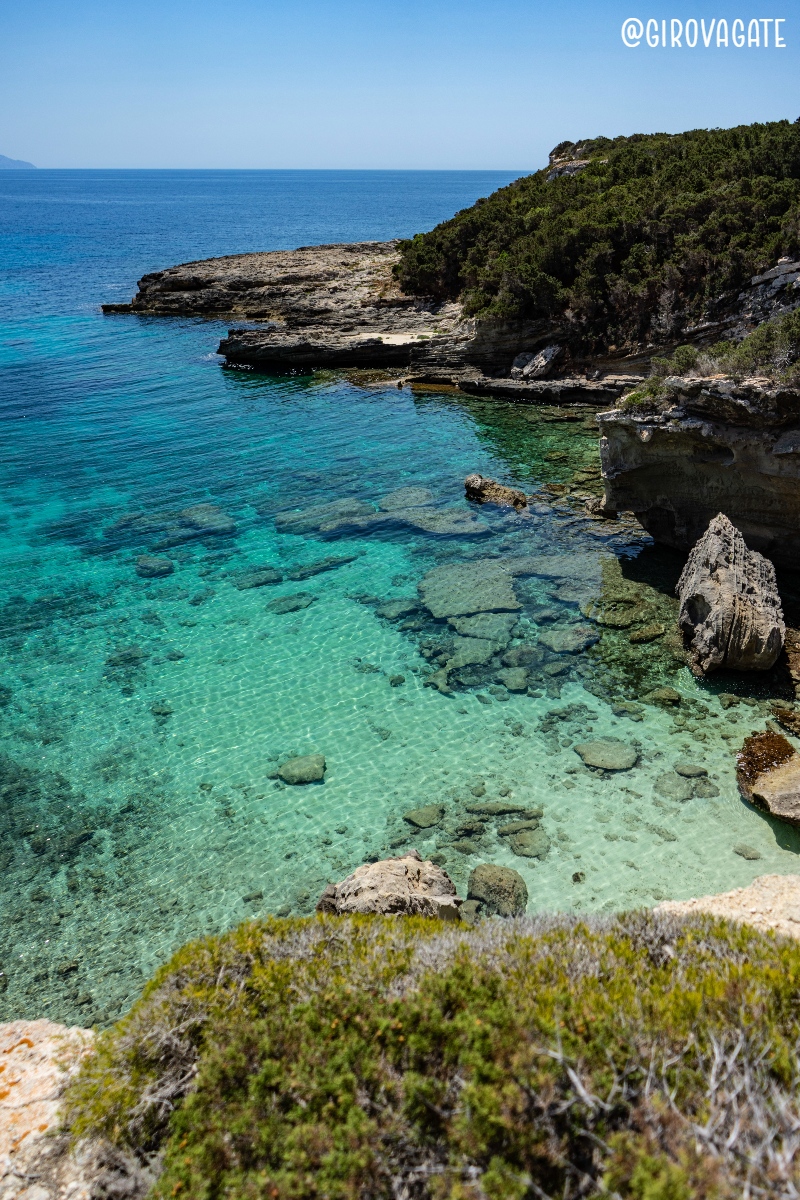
(365, 83)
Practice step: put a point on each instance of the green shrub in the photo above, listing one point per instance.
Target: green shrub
(684, 359)
(652, 232)
(340, 1058)
(651, 396)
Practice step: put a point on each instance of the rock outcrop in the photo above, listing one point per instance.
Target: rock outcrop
(730, 613)
(340, 306)
(771, 902)
(404, 885)
(718, 446)
(37, 1161)
(487, 491)
(768, 772)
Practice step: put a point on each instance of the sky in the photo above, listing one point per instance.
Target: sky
(420, 84)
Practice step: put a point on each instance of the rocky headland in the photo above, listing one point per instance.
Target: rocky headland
(340, 306)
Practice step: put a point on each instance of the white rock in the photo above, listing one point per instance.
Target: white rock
(404, 885)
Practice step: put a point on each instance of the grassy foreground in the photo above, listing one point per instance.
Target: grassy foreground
(643, 1056)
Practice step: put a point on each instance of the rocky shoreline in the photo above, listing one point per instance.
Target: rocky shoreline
(339, 306)
(722, 445)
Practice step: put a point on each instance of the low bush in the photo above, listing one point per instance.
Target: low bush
(642, 1057)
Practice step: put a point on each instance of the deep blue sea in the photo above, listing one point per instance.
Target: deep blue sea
(142, 721)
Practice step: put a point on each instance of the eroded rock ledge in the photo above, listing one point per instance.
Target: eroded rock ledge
(720, 446)
(340, 306)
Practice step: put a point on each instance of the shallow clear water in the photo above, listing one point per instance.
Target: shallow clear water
(143, 719)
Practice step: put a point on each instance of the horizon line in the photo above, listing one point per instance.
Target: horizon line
(502, 170)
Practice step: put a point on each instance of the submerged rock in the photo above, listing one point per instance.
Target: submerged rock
(787, 715)
(673, 786)
(522, 655)
(730, 612)
(257, 577)
(608, 755)
(470, 651)
(499, 891)
(483, 490)
(514, 678)
(690, 770)
(404, 885)
(461, 589)
(425, 818)
(496, 627)
(666, 697)
(308, 768)
(530, 843)
(405, 497)
(502, 808)
(309, 520)
(208, 520)
(768, 772)
(440, 522)
(151, 566)
(323, 564)
(572, 640)
(290, 604)
(647, 633)
(392, 610)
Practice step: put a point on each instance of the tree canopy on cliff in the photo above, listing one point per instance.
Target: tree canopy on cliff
(654, 226)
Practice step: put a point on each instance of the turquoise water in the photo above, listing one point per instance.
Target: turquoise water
(143, 720)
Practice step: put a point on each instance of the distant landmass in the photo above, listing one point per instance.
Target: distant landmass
(15, 164)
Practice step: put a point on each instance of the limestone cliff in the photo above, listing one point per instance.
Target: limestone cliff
(719, 446)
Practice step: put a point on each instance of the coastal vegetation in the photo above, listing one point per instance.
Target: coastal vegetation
(645, 1056)
(771, 351)
(652, 230)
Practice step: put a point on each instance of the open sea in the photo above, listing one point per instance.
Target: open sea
(142, 721)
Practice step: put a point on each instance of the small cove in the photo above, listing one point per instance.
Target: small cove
(143, 720)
